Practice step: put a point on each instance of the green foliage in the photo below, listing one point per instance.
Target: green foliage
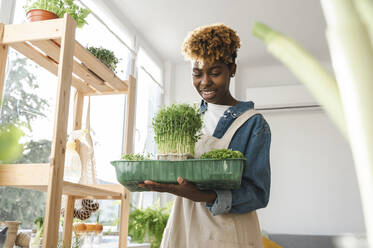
(176, 129)
(10, 149)
(147, 225)
(77, 240)
(105, 56)
(20, 204)
(60, 7)
(222, 154)
(39, 222)
(36, 152)
(135, 157)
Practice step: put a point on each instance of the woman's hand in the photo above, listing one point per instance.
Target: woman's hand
(183, 188)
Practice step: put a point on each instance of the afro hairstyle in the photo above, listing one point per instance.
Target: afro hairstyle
(208, 44)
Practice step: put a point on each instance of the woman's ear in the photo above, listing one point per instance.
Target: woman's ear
(233, 70)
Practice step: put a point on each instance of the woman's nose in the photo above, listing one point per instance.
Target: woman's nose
(205, 80)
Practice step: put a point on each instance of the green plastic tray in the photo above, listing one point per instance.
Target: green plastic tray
(205, 173)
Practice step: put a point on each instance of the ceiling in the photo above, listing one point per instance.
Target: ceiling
(165, 23)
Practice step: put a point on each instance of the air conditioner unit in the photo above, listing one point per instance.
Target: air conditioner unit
(281, 97)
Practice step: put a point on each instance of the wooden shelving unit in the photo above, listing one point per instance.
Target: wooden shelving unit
(52, 45)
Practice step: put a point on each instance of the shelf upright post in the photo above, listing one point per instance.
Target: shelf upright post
(130, 115)
(3, 58)
(54, 192)
(128, 148)
(68, 221)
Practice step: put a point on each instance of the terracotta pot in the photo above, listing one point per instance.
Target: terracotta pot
(36, 15)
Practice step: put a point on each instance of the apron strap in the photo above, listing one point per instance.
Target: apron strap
(228, 135)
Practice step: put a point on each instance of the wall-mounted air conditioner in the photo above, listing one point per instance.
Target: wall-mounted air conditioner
(287, 97)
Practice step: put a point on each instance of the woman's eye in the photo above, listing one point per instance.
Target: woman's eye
(214, 74)
(196, 75)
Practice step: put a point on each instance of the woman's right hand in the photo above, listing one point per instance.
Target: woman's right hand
(184, 189)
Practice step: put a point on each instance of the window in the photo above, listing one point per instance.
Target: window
(149, 101)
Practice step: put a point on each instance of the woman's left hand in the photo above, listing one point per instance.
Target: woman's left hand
(183, 188)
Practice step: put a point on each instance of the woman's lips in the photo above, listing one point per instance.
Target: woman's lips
(208, 94)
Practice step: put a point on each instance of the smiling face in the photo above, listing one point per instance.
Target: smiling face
(212, 82)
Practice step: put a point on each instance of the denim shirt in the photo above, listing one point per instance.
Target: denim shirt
(253, 139)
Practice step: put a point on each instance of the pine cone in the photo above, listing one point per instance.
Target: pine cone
(90, 205)
(82, 214)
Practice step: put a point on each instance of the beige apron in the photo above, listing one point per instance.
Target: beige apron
(191, 224)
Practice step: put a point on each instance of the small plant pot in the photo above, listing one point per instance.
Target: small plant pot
(174, 156)
(36, 15)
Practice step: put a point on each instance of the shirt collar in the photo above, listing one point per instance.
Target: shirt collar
(236, 110)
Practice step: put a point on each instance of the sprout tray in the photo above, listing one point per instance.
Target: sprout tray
(205, 173)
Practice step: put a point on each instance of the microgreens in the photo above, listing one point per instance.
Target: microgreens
(222, 154)
(135, 157)
(177, 129)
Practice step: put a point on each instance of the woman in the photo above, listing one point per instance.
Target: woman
(220, 218)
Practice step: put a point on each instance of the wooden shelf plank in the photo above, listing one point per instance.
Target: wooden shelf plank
(35, 177)
(50, 29)
(24, 174)
(52, 48)
(99, 68)
(49, 64)
(107, 92)
(96, 191)
(81, 191)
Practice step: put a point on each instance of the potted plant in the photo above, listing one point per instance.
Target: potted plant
(106, 56)
(39, 10)
(176, 131)
(147, 225)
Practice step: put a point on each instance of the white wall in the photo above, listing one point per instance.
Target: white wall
(182, 88)
(314, 188)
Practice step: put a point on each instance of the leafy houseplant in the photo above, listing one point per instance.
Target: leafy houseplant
(56, 7)
(176, 129)
(147, 225)
(105, 56)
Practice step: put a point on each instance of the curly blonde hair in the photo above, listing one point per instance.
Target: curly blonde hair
(212, 43)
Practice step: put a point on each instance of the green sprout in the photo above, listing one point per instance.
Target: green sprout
(177, 129)
(135, 157)
(222, 154)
